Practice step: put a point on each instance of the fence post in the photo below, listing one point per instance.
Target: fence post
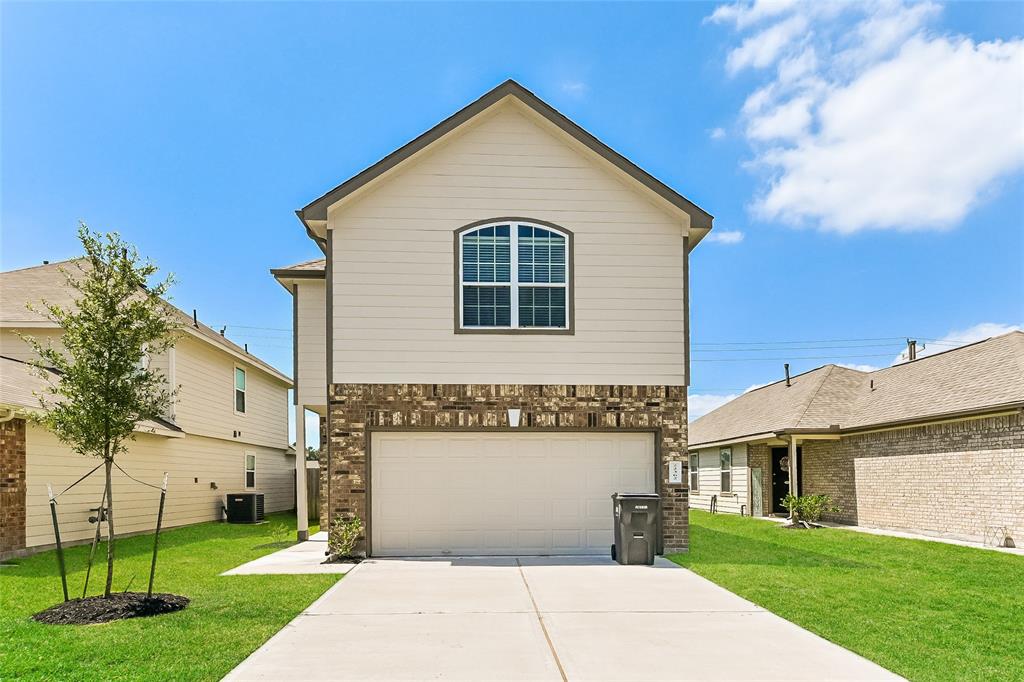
(56, 535)
(156, 535)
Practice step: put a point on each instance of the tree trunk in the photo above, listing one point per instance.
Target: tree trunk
(110, 529)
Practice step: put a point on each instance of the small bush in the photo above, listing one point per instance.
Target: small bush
(809, 507)
(344, 534)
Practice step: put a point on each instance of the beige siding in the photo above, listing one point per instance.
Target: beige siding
(193, 463)
(311, 343)
(711, 481)
(12, 346)
(205, 402)
(393, 260)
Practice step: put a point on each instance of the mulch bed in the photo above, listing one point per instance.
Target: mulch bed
(115, 607)
(340, 559)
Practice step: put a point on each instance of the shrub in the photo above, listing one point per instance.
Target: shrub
(344, 533)
(809, 507)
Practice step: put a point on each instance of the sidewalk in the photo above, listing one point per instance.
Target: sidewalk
(301, 558)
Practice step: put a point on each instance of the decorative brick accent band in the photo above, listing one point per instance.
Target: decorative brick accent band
(357, 409)
(12, 486)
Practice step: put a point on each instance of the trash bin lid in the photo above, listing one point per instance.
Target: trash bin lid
(635, 496)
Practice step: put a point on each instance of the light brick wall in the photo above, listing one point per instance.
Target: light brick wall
(759, 456)
(958, 479)
(12, 486)
(355, 409)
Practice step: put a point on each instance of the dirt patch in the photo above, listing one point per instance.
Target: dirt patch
(115, 607)
(339, 559)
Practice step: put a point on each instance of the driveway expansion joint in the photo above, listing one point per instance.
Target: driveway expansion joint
(540, 619)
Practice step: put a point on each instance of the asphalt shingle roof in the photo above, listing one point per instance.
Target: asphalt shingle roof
(983, 375)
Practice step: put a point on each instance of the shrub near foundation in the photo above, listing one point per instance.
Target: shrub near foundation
(344, 535)
(809, 508)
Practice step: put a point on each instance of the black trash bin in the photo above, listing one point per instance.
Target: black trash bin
(636, 527)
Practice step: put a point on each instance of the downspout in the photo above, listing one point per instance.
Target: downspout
(7, 415)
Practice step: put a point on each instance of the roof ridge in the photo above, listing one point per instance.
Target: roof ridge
(47, 264)
(810, 401)
(949, 350)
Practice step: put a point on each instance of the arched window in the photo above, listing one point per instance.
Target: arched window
(514, 275)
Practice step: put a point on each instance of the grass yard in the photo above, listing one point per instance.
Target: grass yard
(925, 610)
(228, 618)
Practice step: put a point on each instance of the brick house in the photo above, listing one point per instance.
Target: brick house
(496, 338)
(934, 446)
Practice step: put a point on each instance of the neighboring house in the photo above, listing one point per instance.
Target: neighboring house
(226, 431)
(934, 446)
(497, 337)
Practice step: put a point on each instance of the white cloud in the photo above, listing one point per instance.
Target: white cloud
(716, 133)
(859, 368)
(957, 338)
(725, 237)
(699, 404)
(744, 15)
(575, 88)
(762, 49)
(870, 120)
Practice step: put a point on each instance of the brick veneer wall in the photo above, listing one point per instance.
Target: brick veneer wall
(12, 486)
(357, 408)
(956, 479)
(323, 473)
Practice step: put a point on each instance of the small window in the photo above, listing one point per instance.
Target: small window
(250, 471)
(726, 458)
(239, 390)
(695, 473)
(513, 276)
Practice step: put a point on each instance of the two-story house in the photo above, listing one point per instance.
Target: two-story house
(497, 337)
(226, 431)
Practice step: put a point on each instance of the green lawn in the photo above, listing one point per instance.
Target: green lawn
(228, 618)
(925, 610)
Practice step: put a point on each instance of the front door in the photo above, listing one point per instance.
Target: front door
(780, 476)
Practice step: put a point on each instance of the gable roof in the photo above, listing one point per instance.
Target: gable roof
(983, 376)
(20, 387)
(316, 210)
(34, 284)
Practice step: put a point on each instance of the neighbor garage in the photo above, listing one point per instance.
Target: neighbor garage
(481, 493)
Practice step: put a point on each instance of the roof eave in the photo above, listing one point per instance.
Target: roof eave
(700, 220)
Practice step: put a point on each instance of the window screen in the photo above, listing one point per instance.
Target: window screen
(726, 459)
(250, 471)
(514, 276)
(239, 390)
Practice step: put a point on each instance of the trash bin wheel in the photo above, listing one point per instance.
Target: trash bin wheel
(613, 554)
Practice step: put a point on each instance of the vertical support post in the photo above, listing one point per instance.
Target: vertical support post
(301, 505)
(156, 535)
(56, 535)
(794, 483)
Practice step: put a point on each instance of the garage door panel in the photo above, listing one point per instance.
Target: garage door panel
(522, 493)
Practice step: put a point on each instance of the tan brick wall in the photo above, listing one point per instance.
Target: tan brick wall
(957, 479)
(12, 486)
(355, 409)
(323, 473)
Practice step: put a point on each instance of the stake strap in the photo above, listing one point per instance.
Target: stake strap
(155, 487)
(54, 497)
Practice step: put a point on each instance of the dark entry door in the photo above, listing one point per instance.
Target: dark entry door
(780, 476)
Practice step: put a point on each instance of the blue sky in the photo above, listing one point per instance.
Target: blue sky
(865, 160)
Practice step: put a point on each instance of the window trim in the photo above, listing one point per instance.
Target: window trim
(722, 452)
(246, 470)
(234, 390)
(570, 287)
(694, 472)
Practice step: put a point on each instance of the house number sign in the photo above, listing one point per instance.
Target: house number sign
(675, 472)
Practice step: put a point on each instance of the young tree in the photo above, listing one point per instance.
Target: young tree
(103, 386)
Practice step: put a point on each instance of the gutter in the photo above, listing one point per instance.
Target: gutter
(322, 243)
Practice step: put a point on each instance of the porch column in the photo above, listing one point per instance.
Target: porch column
(794, 484)
(301, 511)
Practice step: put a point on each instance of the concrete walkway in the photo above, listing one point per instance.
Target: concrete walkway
(300, 558)
(542, 618)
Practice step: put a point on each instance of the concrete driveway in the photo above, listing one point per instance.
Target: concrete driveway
(542, 618)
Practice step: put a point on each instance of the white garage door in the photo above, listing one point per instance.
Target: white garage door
(502, 493)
